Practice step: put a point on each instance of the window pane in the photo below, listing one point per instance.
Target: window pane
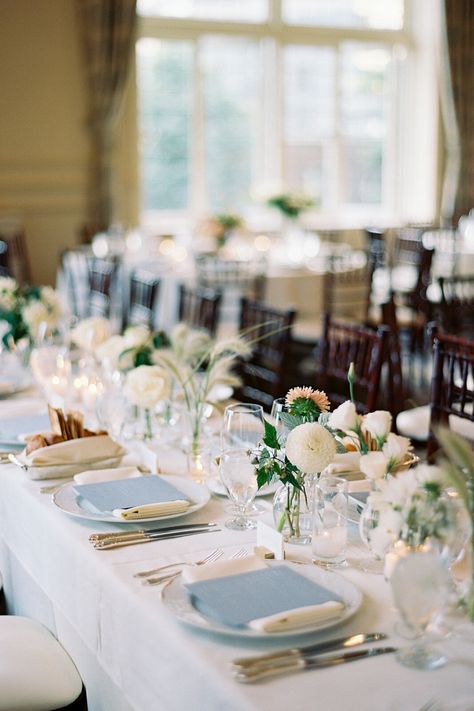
(362, 173)
(377, 14)
(309, 115)
(237, 10)
(232, 99)
(164, 69)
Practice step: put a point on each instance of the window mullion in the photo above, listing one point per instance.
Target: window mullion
(198, 191)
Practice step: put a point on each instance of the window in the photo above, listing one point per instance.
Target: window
(239, 99)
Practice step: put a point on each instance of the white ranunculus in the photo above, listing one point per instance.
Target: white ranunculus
(344, 417)
(310, 447)
(428, 472)
(8, 285)
(90, 333)
(377, 423)
(396, 449)
(109, 351)
(50, 297)
(147, 385)
(136, 336)
(373, 465)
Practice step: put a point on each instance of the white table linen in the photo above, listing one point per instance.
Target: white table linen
(133, 655)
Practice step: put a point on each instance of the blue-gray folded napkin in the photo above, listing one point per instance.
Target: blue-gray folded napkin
(129, 493)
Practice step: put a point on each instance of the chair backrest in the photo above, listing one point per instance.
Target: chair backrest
(396, 386)
(13, 253)
(101, 277)
(452, 382)
(376, 247)
(74, 271)
(342, 344)
(199, 307)
(142, 301)
(456, 309)
(346, 293)
(263, 373)
(406, 246)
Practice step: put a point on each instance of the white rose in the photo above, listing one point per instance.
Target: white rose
(373, 465)
(51, 298)
(36, 313)
(135, 336)
(7, 293)
(109, 351)
(147, 385)
(396, 449)
(425, 473)
(344, 417)
(377, 423)
(310, 447)
(90, 333)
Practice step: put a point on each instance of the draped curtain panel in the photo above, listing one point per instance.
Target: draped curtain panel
(460, 37)
(107, 30)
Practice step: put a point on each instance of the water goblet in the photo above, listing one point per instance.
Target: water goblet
(243, 427)
(238, 476)
(420, 587)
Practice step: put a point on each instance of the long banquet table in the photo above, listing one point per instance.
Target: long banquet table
(132, 654)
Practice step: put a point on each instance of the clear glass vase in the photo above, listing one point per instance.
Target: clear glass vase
(293, 511)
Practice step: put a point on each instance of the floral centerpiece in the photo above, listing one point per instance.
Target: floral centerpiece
(411, 508)
(135, 347)
(145, 387)
(27, 312)
(308, 449)
(458, 469)
(221, 225)
(197, 364)
(291, 204)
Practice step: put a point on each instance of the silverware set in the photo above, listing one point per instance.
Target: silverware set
(105, 541)
(315, 656)
(151, 577)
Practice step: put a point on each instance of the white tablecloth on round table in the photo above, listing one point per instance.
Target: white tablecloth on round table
(132, 654)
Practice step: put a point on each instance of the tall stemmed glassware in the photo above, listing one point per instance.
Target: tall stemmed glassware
(243, 427)
(241, 434)
(238, 476)
(279, 407)
(420, 586)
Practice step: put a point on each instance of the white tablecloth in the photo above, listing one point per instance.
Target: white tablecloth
(132, 654)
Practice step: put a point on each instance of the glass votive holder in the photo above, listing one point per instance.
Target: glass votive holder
(199, 466)
(329, 540)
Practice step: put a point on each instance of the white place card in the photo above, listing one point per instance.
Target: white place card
(268, 537)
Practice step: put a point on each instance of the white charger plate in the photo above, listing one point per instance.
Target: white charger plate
(217, 487)
(176, 599)
(73, 504)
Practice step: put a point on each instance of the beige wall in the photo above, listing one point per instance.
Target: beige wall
(43, 142)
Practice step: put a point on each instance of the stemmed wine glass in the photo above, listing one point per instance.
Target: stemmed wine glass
(241, 434)
(420, 587)
(279, 407)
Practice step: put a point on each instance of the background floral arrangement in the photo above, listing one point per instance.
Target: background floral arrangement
(27, 311)
(220, 225)
(291, 204)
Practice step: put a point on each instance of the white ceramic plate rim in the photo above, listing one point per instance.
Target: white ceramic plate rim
(67, 500)
(217, 487)
(176, 599)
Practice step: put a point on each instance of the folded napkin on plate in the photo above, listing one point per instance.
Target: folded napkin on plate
(130, 498)
(95, 476)
(265, 599)
(68, 458)
(347, 462)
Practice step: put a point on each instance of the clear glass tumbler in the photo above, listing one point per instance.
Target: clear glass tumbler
(329, 539)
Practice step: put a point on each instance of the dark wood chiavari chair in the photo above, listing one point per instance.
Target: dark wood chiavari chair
(142, 301)
(456, 308)
(75, 273)
(263, 374)
(199, 307)
(452, 386)
(342, 344)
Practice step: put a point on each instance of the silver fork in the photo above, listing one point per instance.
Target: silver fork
(213, 556)
(242, 553)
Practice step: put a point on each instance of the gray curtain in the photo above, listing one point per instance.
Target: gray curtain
(107, 34)
(459, 16)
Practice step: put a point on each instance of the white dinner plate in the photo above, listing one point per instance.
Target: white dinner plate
(72, 503)
(217, 487)
(176, 599)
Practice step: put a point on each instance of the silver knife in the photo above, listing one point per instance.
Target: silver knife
(308, 651)
(149, 531)
(318, 662)
(106, 544)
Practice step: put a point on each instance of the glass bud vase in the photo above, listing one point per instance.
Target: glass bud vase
(293, 511)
